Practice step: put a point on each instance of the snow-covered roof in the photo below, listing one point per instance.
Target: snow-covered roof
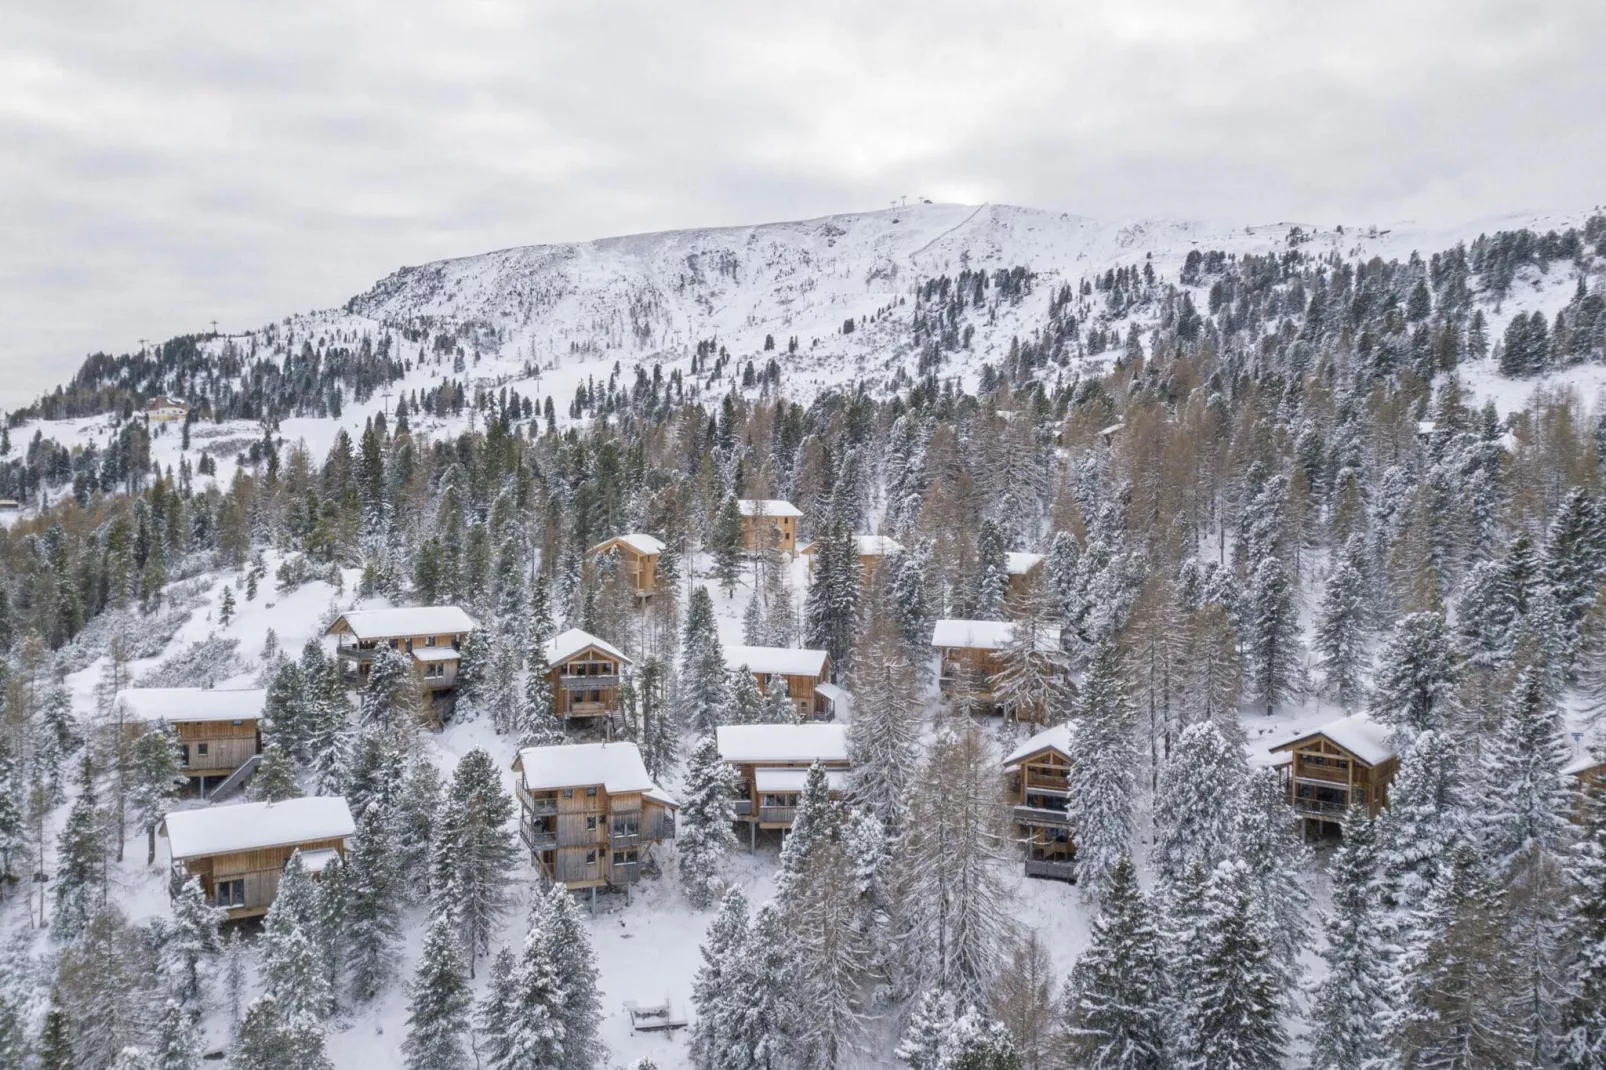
(318, 860)
(250, 826)
(984, 634)
(836, 696)
(1357, 733)
(1582, 763)
(404, 621)
(616, 766)
(1113, 428)
(775, 660)
(767, 507)
(793, 779)
(190, 704)
(638, 541)
(865, 546)
(565, 645)
(1058, 737)
(436, 653)
(795, 743)
(1022, 563)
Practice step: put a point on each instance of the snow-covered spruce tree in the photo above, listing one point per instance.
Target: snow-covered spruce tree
(978, 1042)
(705, 835)
(725, 544)
(275, 778)
(13, 823)
(473, 852)
(712, 994)
(1269, 842)
(777, 707)
(418, 807)
(989, 586)
(1340, 639)
(192, 935)
(330, 932)
(955, 924)
(1197, 804)
(1212, 671)
(656, 736)
(753, 630)
(330, 722)
(1425, 819)
(286, 710)
(1231, 1013)
(1571, 568)
(106, 979)
(391, 700)
(762, 1020)
(176, 1044)
(538, 725)
(1103, 772)
(1114, 1007)
(80, 858)
(293, 964)
(497, 1013)
(1413, 686)
(375, 772)
(1583, 1016)
(884, 738)
(1271, 635)
(818, 818)
(54, 1047)
(1351, 1000)
(271, 1039)
(1033, 681)
(439, 1005)
(744, 704)
(930, 1022)
(155, 776)
(831, 608)
(831, 958)
(373, 890)
(703, 684)
(910, 600)
(569, 948)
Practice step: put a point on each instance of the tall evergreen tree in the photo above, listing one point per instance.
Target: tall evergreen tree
(1103, 772)
(1197, 804)
(1271, 634)
(155, 775)
(703, 684)
(1340, 639)
(705, 835)
(1114, 1010)
(373, 890)
(1232, 1013)
(275, 778)
(1412, 688)
(1351, 999)
(831, 608)
(473, 852)
(81, 857)
(713, 996)
(439, 1005)
(884, 737)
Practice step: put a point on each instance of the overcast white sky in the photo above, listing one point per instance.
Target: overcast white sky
(166, 164)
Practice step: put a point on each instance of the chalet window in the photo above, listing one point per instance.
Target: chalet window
(200, 750)
(624, 858)
(591, 792)
(231, 893)
(591, 858)
(591, 824)
(568, 793)
(236, 724)
(627, 826)
(184, 754)
(429, 640)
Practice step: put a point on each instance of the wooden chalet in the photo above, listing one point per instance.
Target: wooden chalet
(1039, 780)
(872, 550)
(1587, 775)
(589, 813)
(432, 635)
(772, 761)
(161, 410)
(1024, 569)
(586, 673)
(807, 674)
(219, 730)
(780, 517)
(1346, 762)
(638, 556)
(970, 654)
(240, 851)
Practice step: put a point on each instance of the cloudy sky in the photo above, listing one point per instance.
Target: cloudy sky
(168, 164)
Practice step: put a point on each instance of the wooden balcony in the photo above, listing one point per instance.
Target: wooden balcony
(624, 873)
(1324, 773)
(538, 839)
(1320, 811)
(1041, 816)
(1055, 870)
(742, 807)
(589, 709)
(624, 837)
(776, 815)
(588, 683)
(1048, 785)
(542, 807)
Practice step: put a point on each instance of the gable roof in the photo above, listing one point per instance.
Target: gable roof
(865, 546)
(775, 660)
(565, 645)
(1020, 564)
(616, 766)
(190, 704)
(403, 621)
(249, 826)
(767, 507)
(984, 635)
(1057, 738)
(1583, 764)
(1363, 737)
(642, 543)
(795, 743)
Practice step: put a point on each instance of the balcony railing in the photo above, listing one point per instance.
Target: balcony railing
(588, 709)
(624, 873)
(538, 839)
(543, 807)
(625, 837)
(662, 829)
(1325, 773)
(1059, 871)
(776, 815)
(742, 807)
(588, 683)
(1037, 815)
(1322, 811)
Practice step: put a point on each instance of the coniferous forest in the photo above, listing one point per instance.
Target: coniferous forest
(1265, 498)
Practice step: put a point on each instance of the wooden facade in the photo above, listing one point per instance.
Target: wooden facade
(586, 675)
(769, 521)
(582, 834)
(1039, 787)
(246, 882)
(803, 670)
(217, 748)
(217, 730)
(1342, 764)
(873, 551)
(431, 635)
(239, 852)
(970, 656)
(771, 763)
(638, 556)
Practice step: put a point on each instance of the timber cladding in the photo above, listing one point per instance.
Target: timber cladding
(213, 747)
(259, 869)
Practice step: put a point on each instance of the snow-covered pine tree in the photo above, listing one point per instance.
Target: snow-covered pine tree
(272, 1039)
(818, 818)
(1425, 819)
(744, 703)
(391, 699)
(373, 890)
(777, 707)
(704, 688)
(568, 944)
(472, 852)
(177, 1043)
(286, 710)
(831, 609)
(725, 544)
(155, 776)
(192, 934)
(989, 587)
(656, 736)
(1197, 804)
(1271, 634)
(930, 1022)
(524, 1014)
(831, 958)
(1413, 686)
(1114, 1007)
(330, 931)
(753, 630)
(1352, 998)
(978, 1042)
(762, 1016)
(375, 772)
(439, 1005)
(275, 778)
(1212, 671)
(712, 996)
(329, 721)
(497, 1013)
(538, 725)
(1270, 843)
(884, 738)
(704, 835)
(293, 964)
(1033, 681)
(1103, 772)
(418, 806)
(1571, 568)
(80, 858)
(1583, 1016)
(1231, 1013)
(1340, 639)
(910, 600)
